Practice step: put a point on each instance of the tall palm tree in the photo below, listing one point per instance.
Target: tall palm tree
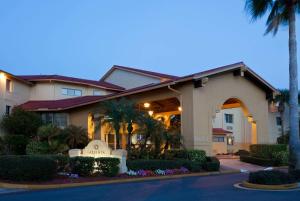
(283, 12)
(282, 99)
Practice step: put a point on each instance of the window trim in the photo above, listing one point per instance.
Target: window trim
(8, 87)
(69, 90)
(229, 115)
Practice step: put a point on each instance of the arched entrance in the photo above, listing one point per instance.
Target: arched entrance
(234, 127)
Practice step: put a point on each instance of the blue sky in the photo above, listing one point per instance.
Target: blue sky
(84, 38)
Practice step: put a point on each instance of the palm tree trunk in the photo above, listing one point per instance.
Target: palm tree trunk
(294, 120)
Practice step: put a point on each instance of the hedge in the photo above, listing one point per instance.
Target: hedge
(27, 168)
(257, 161)
(266, 150)
(61, 161)
(108, 166)
(83, 166)
(273, 177)
(154, 164)
(211, 164)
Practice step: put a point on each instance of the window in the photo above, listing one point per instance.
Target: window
(71, 92)
(57, 119)
(8, 85)
(278, 121)
(97, 93)
(218, 139)
(7, 110)
(229, 118)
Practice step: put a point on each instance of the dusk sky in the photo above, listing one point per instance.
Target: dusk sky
(84, 38)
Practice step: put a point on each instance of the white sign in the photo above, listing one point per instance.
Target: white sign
(97, 149)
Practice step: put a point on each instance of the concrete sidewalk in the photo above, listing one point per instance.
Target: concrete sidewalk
(236, 164)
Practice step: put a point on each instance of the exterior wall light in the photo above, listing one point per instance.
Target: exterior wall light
(2, 76)
(146, 105)
(180, 109)
(150, 112)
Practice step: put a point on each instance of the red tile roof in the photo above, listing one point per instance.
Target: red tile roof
(99, 84)
(139, 71)
(220, 131)
(62, 104)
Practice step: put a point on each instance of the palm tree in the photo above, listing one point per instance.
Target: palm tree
(282, 99)
(130, 116)
(114, 112)
(75, 137)
(283, 12)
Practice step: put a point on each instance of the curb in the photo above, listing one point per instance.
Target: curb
(141, 179)
(269, 187)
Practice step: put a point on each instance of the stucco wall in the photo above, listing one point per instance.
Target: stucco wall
(53, 90)
(129, 79)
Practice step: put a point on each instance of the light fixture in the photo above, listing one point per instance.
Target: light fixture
(150, 112)
(146, 105)
(2, 75)
(179, 109)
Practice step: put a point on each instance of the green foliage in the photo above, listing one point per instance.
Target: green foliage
(257, 161)
(197, 155)
(153, 164)
(47, 132)
(242, 152)
(194, 166)
(176, 154)
(75, 137)
(21, 122)
(273, 177)
(36, 147)
(27, 168)
(15, 144)
(266, 150)
(62, 162)
(83, 166)
(281, 158)
(212, 164)
(295, 174)
(108, 166)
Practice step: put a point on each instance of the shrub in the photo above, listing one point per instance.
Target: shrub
(21, 122)
(75, 137)
(257, 161)
(280, 158)
(83, 166)
(266, 150)
(153, 164)
(196, 155)
(15, 144)
(176, 154)
(242, 152)
(108, 166)
(273, 177)
(195, 166)
(283, 139)
(46, 131)
(62, 162)
(211, 164)
(27, 168)
(295, 174)
(35, 147)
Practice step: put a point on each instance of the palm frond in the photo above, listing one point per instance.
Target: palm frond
(257, 8)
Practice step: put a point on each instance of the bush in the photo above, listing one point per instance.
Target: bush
(280, 158)
(196, 155)
(75, 137)
(257, 161)
(108, 166)
(27, 168)
(283, 139)
(176, 154)
(21, 122)
(211, 164)
(15, 144)
(295, 174)
(242, 152)
(195, 166)
(83, 166)
(273, 177)
(35, 147)
(266, 150)
(61, 161)
(154, 164)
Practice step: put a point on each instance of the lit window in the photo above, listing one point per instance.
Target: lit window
(229, 118)
(278, 121)
(7, 110)
(97, 93)
(71, 92)
(8, 85)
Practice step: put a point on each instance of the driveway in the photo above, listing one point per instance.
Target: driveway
(236, 164)
(210, 188)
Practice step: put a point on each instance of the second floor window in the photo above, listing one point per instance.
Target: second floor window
(71, 92)
(7, 110)
(229, 118)
(8, 85)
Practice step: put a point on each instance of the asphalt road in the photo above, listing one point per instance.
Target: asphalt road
(210, 188)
